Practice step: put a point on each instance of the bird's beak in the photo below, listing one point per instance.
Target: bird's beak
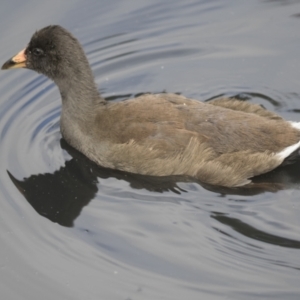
(18, 61)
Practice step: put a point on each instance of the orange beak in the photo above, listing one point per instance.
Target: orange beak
(18, 61)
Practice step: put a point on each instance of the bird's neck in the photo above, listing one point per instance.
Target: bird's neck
(81, 104)
(79, 94)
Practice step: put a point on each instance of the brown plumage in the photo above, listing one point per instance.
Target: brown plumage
(222, 142)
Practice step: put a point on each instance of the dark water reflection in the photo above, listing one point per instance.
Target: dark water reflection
(72, 230)
(256, 234)
(61, 196)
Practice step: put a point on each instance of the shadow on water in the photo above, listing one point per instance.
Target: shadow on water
(254, 233)
(61, 196)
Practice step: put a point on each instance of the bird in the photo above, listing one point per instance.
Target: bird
(222, 142)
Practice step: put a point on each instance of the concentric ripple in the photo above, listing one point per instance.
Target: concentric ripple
(73, 230)
(29, 123)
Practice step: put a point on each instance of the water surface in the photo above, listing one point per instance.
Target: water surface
(72, 230)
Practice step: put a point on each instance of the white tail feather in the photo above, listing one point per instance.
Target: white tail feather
(286, 152)
(295, 124)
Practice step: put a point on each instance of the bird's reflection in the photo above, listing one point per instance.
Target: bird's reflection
(61, 196)
(254, 233)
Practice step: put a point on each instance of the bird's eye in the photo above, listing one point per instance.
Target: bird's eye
(37, 51)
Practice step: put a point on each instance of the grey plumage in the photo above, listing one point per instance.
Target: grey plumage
(222, 142)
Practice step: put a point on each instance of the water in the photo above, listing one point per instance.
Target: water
(72, 230)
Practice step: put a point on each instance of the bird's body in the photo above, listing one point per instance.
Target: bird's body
(222, 142)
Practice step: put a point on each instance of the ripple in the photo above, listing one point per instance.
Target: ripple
(67, 223)
(26, 120)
